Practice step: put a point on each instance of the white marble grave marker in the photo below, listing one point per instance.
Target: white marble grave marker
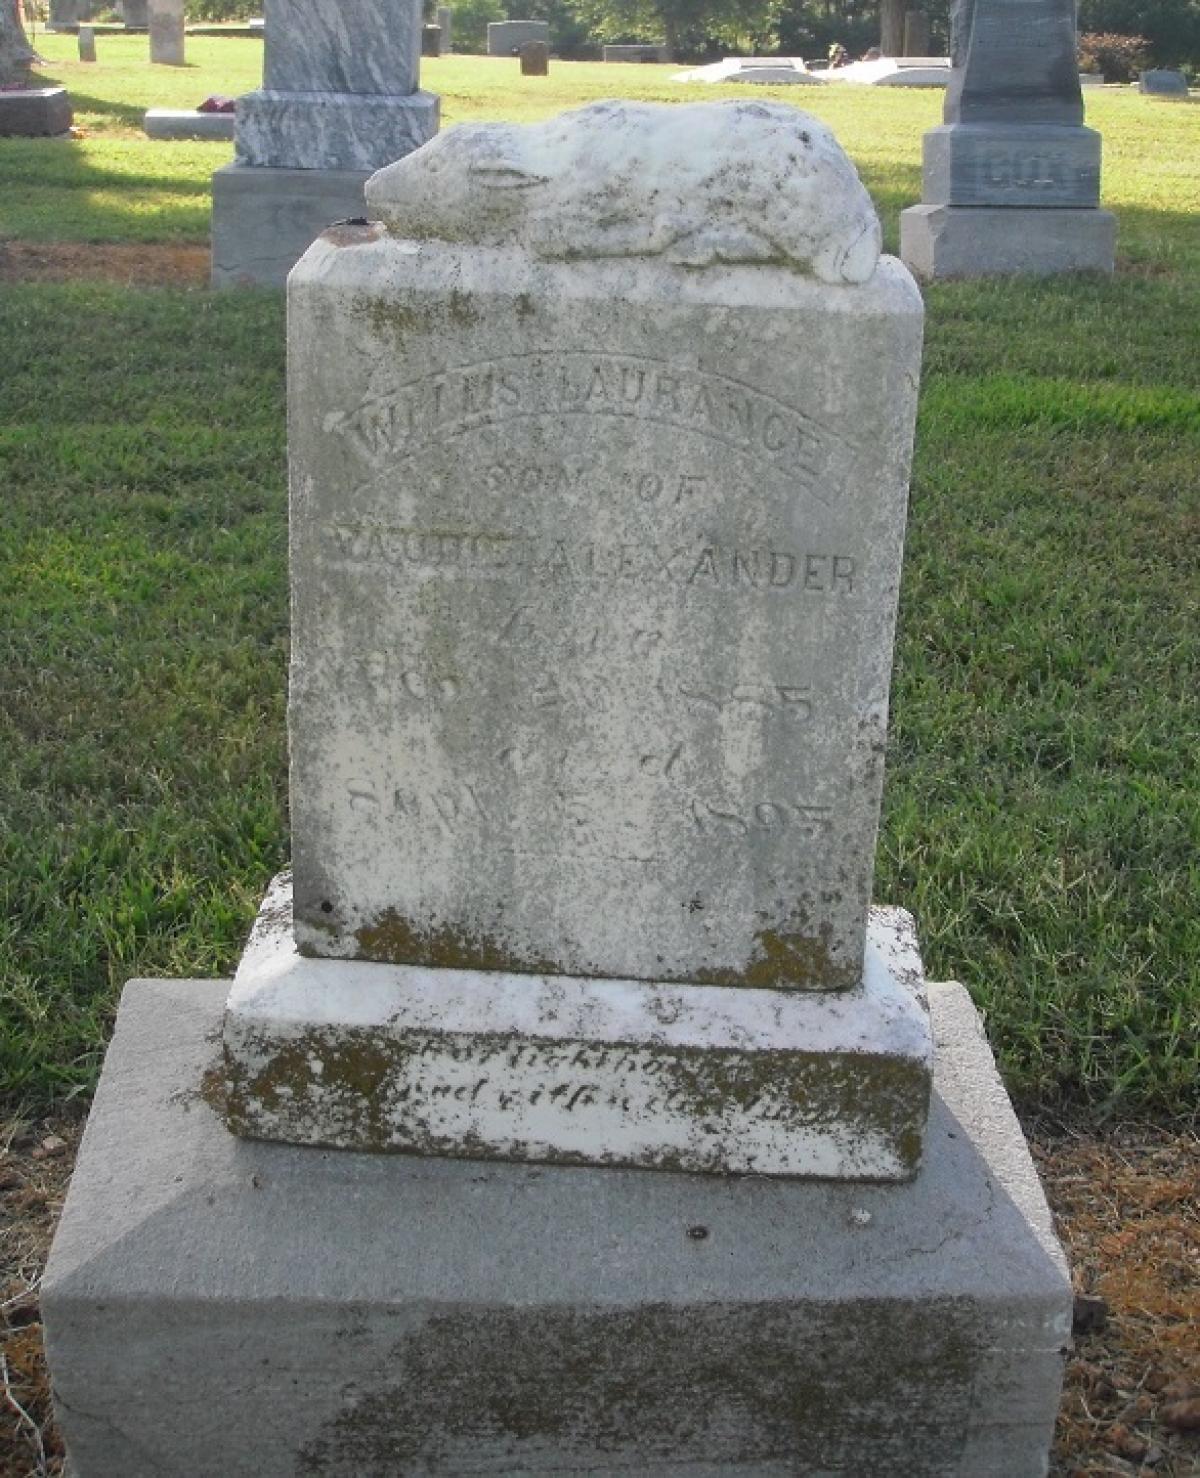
(600, 445)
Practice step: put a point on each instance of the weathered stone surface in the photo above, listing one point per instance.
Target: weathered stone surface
(1014, 62)
(187, 123)
(31, 112)
(506, 38)
(535, 59)
(87, 44)
(135, 14)
(445, 23)
(280, 1310)
(1015, 164)
(324, 130)
(1163, 82)
(340, 46)
(431, 41)
(553, 1068)
(265, 219)
(595, 562)
(166, 32)
(963, 241)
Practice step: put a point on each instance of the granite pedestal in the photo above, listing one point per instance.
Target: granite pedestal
(215, 1306)
(265, 219)
(1002, 241)
(34, 112)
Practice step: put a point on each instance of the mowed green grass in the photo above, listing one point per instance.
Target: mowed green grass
(1042, 812)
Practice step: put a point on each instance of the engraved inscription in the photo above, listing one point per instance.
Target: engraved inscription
(495, 553)
(395, 424)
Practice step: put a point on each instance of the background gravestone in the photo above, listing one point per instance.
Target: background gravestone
(135, 14)
(1163, 82)
(505, 38)
(597, 502)
(445, 22)
(166, 21)
(340, 98)
(1013, 157)
(87, 44)
(535, 59)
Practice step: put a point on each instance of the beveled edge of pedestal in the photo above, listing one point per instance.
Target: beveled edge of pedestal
(585, 1071)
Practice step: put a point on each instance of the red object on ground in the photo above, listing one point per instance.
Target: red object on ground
(217, 103)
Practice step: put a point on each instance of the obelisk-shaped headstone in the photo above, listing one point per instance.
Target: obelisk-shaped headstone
(1013, 141)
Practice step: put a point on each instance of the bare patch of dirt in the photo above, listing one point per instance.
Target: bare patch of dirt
(129, 264)
(1127, 1207)
(1126, 1203)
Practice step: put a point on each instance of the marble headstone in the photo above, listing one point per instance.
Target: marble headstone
(599, 472)
(167, 32)
(339, 87)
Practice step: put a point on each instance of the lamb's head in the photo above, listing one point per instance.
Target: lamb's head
(742, 181)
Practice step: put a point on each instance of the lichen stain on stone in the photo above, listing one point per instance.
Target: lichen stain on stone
(726, 1384)
(396, 940)
(356, 1071)
(788, 961)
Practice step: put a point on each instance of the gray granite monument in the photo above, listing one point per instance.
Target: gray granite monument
(599, 473)
(1163, 82)
(340, 98)
(445, 25)
(1011, 180)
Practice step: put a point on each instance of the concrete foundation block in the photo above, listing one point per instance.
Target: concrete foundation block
(217, 1307)
(264, 220)
(187, 123)
(1003, 241)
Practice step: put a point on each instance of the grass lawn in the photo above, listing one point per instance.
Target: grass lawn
(1042, 814)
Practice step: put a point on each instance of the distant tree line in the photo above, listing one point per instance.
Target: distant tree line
(699, 29)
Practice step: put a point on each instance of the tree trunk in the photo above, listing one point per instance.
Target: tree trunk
(16, 54)
(891, 27)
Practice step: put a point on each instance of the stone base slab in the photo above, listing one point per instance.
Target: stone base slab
(332, 130)
(187, 123)
(264, 220)
(557, 1068)
(34, 112)
(1013, 165)
(223, 1308)
(967, 241)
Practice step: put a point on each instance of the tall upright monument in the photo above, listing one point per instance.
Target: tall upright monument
(1012, 177)
(340, 98)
